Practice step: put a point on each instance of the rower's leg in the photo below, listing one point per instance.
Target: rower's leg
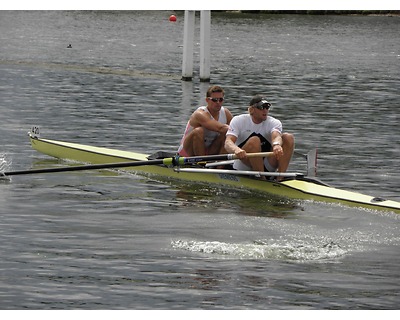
(288, 148)
(217, 147)
(194, 142)
(252, 145)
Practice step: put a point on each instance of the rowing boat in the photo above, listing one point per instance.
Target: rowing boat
(295, 186)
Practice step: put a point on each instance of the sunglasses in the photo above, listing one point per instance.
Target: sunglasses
(262, 105)
(216, 99)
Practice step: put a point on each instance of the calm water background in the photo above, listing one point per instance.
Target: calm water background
(101, 240)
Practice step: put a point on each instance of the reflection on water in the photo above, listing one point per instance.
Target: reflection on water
(243, 202)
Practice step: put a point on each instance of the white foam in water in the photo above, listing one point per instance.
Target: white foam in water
(2, 162)
(5, 164)
(263, 250)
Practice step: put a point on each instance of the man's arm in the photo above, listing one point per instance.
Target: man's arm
(276, 143)
(231, 147)
(202, 119)
(228, 116)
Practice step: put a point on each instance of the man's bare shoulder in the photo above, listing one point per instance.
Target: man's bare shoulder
(198, 117)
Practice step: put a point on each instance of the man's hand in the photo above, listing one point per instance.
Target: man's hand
(278, 151)
(240, 153)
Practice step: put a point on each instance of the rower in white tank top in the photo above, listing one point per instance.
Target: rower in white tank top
(209, 136)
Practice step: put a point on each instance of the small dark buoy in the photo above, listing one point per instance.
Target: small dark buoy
(69, 46)
(172, 18)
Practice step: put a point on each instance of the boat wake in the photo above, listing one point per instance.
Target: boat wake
(5, 164)
(264, 250)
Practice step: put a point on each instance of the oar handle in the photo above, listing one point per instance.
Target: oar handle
(217, 157)
(258, 154)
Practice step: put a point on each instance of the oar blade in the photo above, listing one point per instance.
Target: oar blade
(312, 163)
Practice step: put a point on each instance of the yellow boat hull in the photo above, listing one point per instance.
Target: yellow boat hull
(294, 189)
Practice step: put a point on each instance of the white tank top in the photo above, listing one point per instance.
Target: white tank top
(209, 136)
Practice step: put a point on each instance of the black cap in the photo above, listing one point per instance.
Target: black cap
(258, 100)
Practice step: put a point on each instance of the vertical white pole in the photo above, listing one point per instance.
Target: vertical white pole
(188, 35)
(205, 34)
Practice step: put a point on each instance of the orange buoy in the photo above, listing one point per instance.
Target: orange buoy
(172, 18)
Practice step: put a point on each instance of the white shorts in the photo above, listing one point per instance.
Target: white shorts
(239, 165)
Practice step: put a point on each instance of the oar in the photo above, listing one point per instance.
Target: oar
(240, 172)
(175, 161)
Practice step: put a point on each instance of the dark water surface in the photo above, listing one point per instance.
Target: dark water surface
(106, 240)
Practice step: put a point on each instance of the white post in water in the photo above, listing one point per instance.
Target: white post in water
(205, 33)
(188, 34)
(188, 41)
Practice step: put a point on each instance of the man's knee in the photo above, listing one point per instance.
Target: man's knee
(198, 132)
(288, 139)
(253, 144)
(193, 140)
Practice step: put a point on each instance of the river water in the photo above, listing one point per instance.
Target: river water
(107, 240)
